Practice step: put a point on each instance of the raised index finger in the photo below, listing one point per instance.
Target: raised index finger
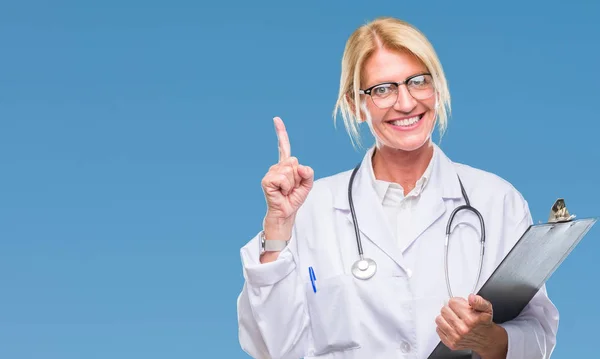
(284, 141)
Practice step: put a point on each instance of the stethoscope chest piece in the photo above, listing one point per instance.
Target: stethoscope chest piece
(364, 268)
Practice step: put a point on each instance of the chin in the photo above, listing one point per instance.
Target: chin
(408, 146)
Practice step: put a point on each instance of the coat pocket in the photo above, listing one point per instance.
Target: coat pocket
(333, 311)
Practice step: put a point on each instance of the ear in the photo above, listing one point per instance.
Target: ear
(353, 107)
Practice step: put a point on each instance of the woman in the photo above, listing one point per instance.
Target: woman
(300, 298)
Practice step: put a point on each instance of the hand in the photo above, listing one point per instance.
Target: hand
(286, 186)
(469, 325)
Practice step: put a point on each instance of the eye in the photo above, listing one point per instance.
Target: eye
(420, 81)
(382, 90)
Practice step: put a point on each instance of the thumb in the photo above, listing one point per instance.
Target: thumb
(479, 304)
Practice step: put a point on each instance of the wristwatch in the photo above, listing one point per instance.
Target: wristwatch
(271, 245)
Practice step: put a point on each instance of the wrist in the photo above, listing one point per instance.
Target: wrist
(278, 228)
(496, 343)
(274, 230)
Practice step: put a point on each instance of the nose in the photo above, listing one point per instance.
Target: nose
(405, 102)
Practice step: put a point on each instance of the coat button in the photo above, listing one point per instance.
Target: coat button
(405, 347)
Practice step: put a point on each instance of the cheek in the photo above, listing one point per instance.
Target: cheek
(430, 117)
(431, 112)
(375, 113)
(430, 106)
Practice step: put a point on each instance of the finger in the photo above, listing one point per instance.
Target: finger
(454, 321)
(479, 304)
(284, 184)
(444, 338)
(288, 172)
(279, 182)
(295, 165)
(284, 142)
(460, 307)
(441, 334)
(446, 328)
(306, 173)
(468, 314)
(291, 167)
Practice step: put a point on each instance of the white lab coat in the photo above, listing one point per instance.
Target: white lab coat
(392, 315)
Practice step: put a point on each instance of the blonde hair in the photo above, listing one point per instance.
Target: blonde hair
(392, 34)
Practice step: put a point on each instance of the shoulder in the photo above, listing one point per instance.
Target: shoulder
(493, 189)
(482, 179)
(333, 181)
(325, 192)
(325, 187)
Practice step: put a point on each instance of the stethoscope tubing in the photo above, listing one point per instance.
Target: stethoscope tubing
(352, 211)
(467, 206)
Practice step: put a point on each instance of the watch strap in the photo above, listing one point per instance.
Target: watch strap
(272, 245)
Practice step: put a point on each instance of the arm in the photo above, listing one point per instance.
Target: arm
(467, 324)
(532, 335)
(272, 316)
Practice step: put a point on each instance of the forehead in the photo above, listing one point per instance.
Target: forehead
(386, 65)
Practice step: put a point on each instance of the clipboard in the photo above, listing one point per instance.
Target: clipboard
(528, 265)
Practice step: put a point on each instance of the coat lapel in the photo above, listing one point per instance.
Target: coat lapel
(430, 208)
(372, 221)
(443, 184)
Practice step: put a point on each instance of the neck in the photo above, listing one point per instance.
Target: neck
(402, 167)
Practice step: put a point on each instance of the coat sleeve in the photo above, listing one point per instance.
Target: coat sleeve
(272, 315)
(532, 335)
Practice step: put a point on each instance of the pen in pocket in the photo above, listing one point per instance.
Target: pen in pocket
(313, 278)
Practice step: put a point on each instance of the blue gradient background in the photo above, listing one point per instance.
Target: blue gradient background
(134, 134)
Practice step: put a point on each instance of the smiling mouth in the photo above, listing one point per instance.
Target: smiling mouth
(406, 122)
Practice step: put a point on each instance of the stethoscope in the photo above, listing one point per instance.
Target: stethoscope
(365, 268)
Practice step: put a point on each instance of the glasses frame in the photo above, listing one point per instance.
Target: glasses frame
(368, 91)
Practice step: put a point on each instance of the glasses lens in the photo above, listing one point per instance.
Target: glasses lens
(384, 95)
(421, 87)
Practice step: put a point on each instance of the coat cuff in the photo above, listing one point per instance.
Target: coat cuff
(259, 274)
(516, 342)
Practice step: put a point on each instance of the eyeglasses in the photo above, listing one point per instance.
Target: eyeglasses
(385, 95)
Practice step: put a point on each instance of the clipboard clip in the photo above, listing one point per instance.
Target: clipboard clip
(559, 212)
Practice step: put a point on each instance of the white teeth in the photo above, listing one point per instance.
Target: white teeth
(406, 122)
